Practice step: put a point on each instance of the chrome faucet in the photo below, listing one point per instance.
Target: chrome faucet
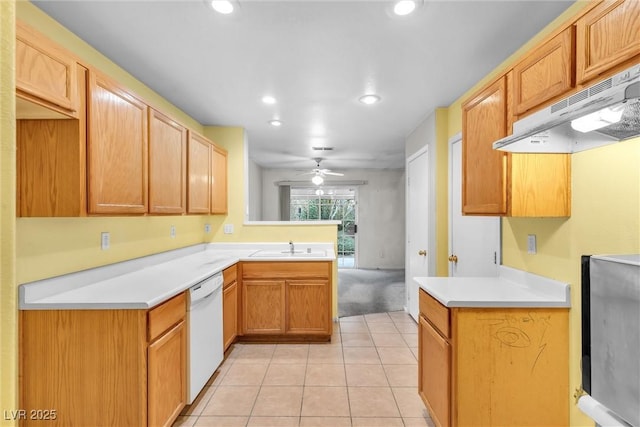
(291, 247)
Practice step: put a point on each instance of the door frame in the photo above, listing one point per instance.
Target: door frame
(431, 245)
(458, 138)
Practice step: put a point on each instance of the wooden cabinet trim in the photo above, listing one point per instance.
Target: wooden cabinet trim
(286, 270)
(165, 315)
(435, 312)
(230, 275)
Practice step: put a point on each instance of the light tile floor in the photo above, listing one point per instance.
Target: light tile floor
(366, 377)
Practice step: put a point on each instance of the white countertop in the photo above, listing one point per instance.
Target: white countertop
(511, 288)
(145, 282)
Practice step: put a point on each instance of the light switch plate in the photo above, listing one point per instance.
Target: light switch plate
(228, 229)
(105, 240)
(531, 244)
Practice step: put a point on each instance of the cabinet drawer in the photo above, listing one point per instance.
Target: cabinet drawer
(230, 275)
(286, 270)
(165, 315)
(435, 312)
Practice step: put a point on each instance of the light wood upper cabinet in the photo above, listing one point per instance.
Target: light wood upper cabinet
(45, 76)
(218, 180)
(51, 159)
(117, 149)
(499, 183)
(546, 72)
(498, 366)
(484, 179)
(608, 35)
(167, 165)
(199, 168)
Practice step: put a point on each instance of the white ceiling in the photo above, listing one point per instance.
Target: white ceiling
(317, 58)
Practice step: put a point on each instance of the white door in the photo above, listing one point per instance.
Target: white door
(417, 226)
(474, 241)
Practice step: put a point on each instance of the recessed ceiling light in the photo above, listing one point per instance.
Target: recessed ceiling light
(404, 7)
(222, 6)
(275, 122)
(369, 99)
(268, 99)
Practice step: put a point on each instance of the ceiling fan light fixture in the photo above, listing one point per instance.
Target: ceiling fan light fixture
(370, 99)
(317, 180)
(224, 7)
(404, 7)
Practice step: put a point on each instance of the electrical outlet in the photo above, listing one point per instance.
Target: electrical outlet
(531, 244)
(172, 232)
(207, 228)
(105, 240)
(228, 229)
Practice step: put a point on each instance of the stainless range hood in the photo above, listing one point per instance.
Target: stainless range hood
(613, 104)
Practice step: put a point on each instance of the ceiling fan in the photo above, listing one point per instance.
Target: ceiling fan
(319, 173)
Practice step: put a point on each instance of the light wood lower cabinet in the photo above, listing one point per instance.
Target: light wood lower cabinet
(230, 303)
(493, 366)
(104, 367)
(264, 306)
(166, 377)
(286, 299)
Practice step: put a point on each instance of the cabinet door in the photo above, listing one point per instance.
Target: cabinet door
(434, 372)
(545, 73)
(263, 306)
(117, 150)
(166, 378)
(167, 165)
(484, 170)
(230, 314)
(606, 36)
(51, 164)
(45, 74)
(308, 307)
(199, 167)
(218, 181)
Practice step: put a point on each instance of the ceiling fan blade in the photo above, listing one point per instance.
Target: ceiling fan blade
(333, 173)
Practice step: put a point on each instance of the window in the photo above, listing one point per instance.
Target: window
(329, 203)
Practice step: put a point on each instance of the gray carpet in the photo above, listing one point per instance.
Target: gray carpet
(363, 291)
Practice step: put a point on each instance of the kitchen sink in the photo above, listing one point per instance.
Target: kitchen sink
(265, 253)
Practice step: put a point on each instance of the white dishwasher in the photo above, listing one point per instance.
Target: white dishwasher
(205, 332)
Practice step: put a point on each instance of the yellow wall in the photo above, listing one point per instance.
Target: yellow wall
(442, 193)
(46, 247)
(605, 216)
(8, 311)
